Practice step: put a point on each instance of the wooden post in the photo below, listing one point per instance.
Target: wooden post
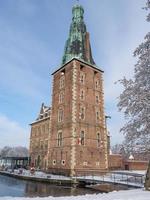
(147, 179)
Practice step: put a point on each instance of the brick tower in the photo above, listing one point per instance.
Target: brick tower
(78, 138)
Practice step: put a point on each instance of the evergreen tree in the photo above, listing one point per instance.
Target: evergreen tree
(134, 101)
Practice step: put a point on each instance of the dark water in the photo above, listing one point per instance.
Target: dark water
(18, 188)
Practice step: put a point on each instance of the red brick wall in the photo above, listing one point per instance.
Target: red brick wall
(135, 165)
(115, 161)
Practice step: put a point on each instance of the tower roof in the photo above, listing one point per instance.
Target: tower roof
(78, 44)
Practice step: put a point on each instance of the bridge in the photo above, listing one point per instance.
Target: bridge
(122, 178)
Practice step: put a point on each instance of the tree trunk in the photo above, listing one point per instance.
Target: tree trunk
(147, 179)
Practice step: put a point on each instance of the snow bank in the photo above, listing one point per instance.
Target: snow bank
(138, 194)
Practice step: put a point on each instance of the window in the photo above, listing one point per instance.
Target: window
(43, 129)
(81, 154)
(60, 115)
(97, 116)
(41, 144)
(62, 82)
(59, 139)
(46, 144)
(39, 130)
(82, 136)
(96, 84)
(54, 162)
(82, 113)
(97, 99)
(82, 95)
(84, 163)
(82, 78)
(63, 162)
(98, 139)
(61, 97)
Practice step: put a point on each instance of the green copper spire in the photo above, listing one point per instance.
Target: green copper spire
(78, 44)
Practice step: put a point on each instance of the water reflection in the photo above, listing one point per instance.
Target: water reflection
(17, 188)
(40, 189)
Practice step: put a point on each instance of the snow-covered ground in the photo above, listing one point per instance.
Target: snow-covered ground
(38, 174)
(137, 194)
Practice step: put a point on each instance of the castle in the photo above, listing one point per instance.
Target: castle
(70, 137)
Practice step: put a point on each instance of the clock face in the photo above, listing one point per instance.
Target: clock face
(76, 47)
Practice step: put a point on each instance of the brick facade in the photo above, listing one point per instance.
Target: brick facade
(84, 139)
(39, 140)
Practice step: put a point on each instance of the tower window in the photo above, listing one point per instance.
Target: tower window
(97, 116)
(98, 139)
(82, 113)
(96, 84)
(82, 136)
(61, 97)
(82, 78)
(62, 82)
(82, 95)
(97, 99)
(59, 139)
(60, 115)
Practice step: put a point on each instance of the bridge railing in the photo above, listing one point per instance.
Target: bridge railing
(126, 178)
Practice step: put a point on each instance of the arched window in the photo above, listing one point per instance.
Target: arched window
(82, 136)
(59, 139)
(98, 139)
(60, 115)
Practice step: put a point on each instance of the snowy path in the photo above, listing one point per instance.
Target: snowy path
(138, 194)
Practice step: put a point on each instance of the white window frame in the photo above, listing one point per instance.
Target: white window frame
(60, 115)
(60, 139)
(62, 82)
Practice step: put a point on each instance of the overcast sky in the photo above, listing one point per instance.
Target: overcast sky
(32, 39)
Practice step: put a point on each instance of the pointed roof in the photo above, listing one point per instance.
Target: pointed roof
(78, 44)
(45, 113)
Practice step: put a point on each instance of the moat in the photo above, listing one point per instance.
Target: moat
(19, 188)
